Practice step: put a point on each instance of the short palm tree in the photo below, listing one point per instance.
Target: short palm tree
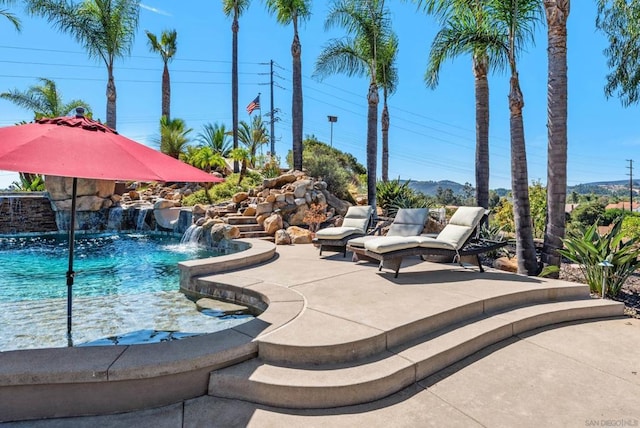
(253, 136)
(44, 100)
(368, 26)
(174, 137)
(105, 28)
(203, 157)
(241, 155)
(234, 8)
(216, 137)
(166, 46)
(10, 16)
(293, 12)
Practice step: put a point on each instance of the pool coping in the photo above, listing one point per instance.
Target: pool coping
(62, 382)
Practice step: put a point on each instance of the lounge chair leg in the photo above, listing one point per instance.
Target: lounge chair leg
(479, 263)
(380, 266)
(320, 249)
(344, 253)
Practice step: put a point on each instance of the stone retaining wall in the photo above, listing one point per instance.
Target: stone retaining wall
(26, 213)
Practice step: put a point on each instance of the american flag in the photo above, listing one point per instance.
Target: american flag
(255, 104)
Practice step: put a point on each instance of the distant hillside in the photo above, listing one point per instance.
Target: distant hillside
(431, 187)
(619, 187)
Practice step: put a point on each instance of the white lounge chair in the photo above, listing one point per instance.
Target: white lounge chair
(355, 224)
(407, 222)
(456, 240)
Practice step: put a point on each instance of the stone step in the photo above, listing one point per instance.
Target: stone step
(256, 234)
(348, 341)
(249, 227)
(377, 376)
(240, 219)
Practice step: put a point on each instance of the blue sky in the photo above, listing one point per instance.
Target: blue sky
(432, 134)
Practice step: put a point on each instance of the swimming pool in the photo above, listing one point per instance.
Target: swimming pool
(124, 283)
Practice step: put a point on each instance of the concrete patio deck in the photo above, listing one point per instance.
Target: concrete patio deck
(438, 346)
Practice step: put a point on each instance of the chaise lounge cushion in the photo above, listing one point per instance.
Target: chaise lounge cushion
(355, 223)
(386, 244)
(407, 222)
(337, 233)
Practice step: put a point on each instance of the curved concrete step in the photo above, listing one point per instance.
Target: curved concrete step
(349, 341)
(365, 380)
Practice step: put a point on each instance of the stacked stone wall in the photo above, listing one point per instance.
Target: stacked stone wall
(26, 213)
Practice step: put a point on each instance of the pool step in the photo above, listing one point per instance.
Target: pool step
(396, 367)
(248, 225)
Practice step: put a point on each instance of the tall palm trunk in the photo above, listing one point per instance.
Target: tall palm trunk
(111, 100)
(234, 85)
(557, 13)
(166, 92)
(525, 248)
(372, 143)
(296, 104)
(480, 68)
(384, 122)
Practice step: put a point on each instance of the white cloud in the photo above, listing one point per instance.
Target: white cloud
(154, 10)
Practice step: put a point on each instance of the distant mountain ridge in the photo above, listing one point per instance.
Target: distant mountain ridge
(617, 187)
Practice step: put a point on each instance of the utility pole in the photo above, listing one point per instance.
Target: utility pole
(630, 184)
(273, 114)
(332, 120)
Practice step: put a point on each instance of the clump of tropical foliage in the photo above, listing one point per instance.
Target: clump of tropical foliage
(224, 191)
(394, 194)
(29, 182)
(589, 250)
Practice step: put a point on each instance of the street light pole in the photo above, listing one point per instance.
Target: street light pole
(332, 120)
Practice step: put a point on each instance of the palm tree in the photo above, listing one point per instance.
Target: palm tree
(253, 136)
(557, 12)
(105, 28)
(517, 19)
(235, 8)
(461, 20)
(388, 79)
(293, 12)
(241, 155)
(203, 157)
(44, 100)
(10, 16)
(174, 137)
(166, 47)
(215, 136)
(368, 25)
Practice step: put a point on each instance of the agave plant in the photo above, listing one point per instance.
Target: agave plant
(589, 250)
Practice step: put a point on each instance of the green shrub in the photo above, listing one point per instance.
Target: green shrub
(631, 226)
(224, 191)
(329, 170)
(587, 214)
(609, 216)
(587, 248)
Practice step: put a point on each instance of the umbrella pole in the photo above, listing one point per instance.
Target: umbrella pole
(70, 272)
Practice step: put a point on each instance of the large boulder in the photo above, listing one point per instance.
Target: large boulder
(282, 237)
(240, 196)
(272, 224)
(299, 235)
(337, 203)
(61, 188)
(272, 183)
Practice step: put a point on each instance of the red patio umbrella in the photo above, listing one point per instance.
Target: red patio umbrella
(79, 147)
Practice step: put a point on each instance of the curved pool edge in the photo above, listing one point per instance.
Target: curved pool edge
(65, 382)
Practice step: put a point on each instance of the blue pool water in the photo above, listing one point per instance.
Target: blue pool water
(124, 284)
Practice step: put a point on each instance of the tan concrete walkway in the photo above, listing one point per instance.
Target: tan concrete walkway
(579, 374)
